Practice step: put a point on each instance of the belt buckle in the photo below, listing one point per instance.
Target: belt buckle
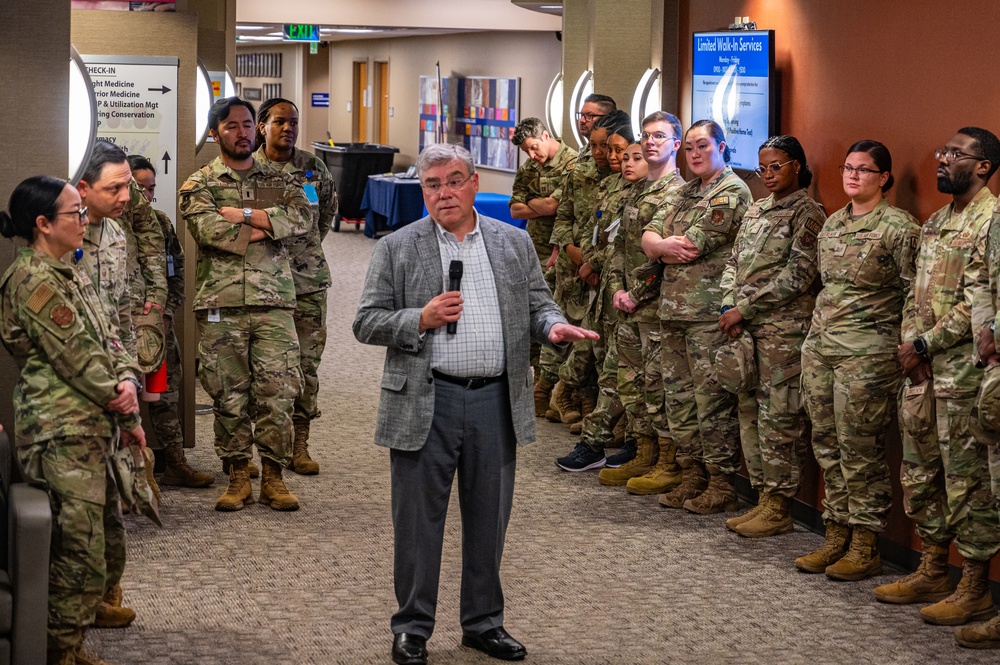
(474, 384)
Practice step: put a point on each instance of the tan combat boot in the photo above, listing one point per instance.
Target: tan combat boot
(618, 433)
(565, 404)
(645, 457)
(972, 600)
(239, 493)
(829, 552)
(718, 497)
(84, 657)
(179, 473)
(273, 492)
(980, 636)
(110, 613)
(929, 583)
(660, 478)
(252, 469)
(862, 559)
(543, 393)
(693, 483)
(774, 518)
(734, 522)
(301, 463)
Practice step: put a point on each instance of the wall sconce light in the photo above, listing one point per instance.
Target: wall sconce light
(554, 107)
(82, 116)
(203, 104)
(583, 88)
(646, 98)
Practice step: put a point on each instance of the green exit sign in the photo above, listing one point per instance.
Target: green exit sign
(301, 32)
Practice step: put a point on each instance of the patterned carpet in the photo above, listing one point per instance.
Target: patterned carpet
(592, 575)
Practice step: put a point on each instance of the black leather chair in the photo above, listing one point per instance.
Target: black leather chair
(26, 529)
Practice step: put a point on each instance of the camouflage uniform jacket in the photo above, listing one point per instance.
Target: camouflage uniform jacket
(772, 269)
(629, 267)
(147, 264)
(175, 264)
(309, 266)
(986, 295)
(534, 180)
(596, 247)
(105, 261)
(71, 359)
(866, 266)
(710, 217)
(938, 305)
(232, 271)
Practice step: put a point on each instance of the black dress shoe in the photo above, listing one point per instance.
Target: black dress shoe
(496, 642)
(409, 649)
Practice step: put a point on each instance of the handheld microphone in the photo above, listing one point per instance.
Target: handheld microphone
(454, 284)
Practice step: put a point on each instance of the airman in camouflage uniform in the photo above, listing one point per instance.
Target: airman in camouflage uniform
(944, 473)
(851, 376)
(573, 220)
(163, 412)
(71, 363)
(312, 279)
(769, 280)
(244, 303)
(146, 270)
(700, 416)
(105, 260)
(535, 196)
(638, 336)
(985, 310)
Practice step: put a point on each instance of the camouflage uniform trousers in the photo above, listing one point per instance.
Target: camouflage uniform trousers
(632, 380)
(310, 327)
(599, 425)
(850, 401)
(163, 412)
(250, 369)
(550, 359)
(87, 552)
(945, 473)
(772, 418)
(700, 415)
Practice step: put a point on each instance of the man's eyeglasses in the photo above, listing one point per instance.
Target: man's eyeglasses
(589, 117)
(81, 213)
(453, 184)
(656, 137)
(949, 155)
(774, 168)
(848, 170)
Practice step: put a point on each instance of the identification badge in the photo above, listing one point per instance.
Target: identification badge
(869, 235)
(916, 390)
(249, 194)
(613, 230)
(310, 190)
(170, 265)
(214, 316)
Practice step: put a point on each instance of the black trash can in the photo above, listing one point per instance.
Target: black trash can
(350, 165)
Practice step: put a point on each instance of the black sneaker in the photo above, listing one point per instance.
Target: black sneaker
(626, 454)
(583, 458)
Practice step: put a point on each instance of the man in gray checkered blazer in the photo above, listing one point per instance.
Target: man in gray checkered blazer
(457, 401)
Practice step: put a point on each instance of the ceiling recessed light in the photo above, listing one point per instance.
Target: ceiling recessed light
(350, 31)
(252, 27)
(257, 38)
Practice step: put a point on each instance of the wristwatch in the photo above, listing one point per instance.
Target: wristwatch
(247, 213)
(920, 346)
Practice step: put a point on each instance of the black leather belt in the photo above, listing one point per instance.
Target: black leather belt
(467, 382)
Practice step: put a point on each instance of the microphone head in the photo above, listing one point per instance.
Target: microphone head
(455, 270)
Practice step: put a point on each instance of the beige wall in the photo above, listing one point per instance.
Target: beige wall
(534, 57)
(291, 70)
(316, 121)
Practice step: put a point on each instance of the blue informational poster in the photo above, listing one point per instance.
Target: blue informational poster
(732, 78)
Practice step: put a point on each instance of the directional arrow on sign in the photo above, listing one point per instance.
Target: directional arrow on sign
(162, 89)
(166, 162)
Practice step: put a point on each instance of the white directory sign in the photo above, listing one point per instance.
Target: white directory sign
(137, 110)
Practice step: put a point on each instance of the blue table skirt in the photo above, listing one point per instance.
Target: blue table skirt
(391, 203)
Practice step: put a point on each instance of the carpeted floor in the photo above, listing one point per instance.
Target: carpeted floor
(591, 574)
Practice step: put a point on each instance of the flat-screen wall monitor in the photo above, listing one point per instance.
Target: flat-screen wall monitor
(733, 84)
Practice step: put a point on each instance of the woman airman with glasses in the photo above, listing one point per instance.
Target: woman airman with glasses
(850, 372)
(767, 293)
(76, 392)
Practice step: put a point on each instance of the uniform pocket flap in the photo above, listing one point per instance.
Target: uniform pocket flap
(392, 381)
(784, 372)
